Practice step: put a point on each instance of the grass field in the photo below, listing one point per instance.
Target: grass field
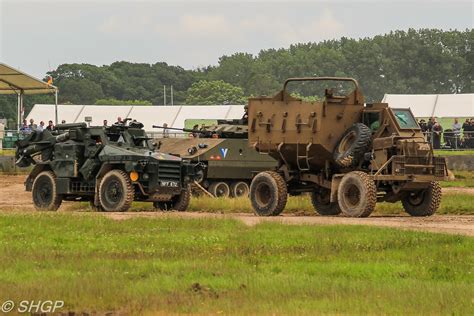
(207, 266)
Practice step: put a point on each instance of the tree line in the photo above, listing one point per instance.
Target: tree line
(408, 62)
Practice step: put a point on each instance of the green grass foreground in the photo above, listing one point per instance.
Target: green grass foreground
(171, 265)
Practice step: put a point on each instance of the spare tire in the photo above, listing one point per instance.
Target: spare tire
(353, 145)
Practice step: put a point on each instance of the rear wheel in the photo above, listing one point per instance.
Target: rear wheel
(45, 193)
(116, 191)
(357, 194)
(178, 203)
(321, 200)
(239, 188)
(219, 189)
(423, 202)
(268, 193)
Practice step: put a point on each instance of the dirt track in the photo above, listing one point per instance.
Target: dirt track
(14, 197)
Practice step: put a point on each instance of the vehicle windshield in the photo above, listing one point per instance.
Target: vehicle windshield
(405, 118)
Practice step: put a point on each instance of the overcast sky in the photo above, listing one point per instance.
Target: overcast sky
(38, 35)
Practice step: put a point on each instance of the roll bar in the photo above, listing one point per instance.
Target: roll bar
(356, 84)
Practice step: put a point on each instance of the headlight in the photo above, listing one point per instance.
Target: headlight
(134, 176)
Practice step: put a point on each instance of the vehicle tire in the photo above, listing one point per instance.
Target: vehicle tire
(116, 191)
(357, 194)
(219, 189)
(320, 198)
(423, 202)
(45, 193)
(239, 188)
(268, 193)
(178, 203)
(353, 145)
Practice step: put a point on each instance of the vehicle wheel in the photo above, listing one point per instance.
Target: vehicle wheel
(95, 208)
(239, 188)
(116, 191)
(423, 202)
(268, 193)
(352, 146)
(45, 193)
(219, 189)
(321, 200)
(357, 194)
(179, 203)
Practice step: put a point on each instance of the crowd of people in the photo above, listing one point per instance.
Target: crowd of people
(32, 126)
(458, 136)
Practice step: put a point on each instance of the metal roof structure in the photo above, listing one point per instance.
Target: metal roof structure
(438, 105)
(14, 81)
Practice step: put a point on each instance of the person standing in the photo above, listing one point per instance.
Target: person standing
(50, 126)
(25, 128)
(456, 132)
(32, 125)
(40, 127)
(166, 132)
(105, 123)
(437, 134)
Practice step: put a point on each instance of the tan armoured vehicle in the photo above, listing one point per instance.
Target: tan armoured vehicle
(346, 153)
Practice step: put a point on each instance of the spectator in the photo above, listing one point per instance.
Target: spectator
(63, 122)
(32, 125)
(456, 132)
(166, 132)
(25, 129)
(466, 124)
(437, 134)
(468, 131)
(119, 121)
(105, 123)
(423, 125)
(40, 128)
(50, 126)
(429, 129)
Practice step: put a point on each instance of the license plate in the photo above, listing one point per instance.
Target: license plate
(169, 184)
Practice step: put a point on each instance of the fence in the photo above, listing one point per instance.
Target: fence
(445, 140)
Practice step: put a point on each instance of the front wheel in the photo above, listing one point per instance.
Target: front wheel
(116, 191)
(268, 193)
(423, 202)
(178, 203)
(45, 192)
(357, 194)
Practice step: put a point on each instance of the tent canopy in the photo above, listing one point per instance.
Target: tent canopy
(13, 81)
(438, 105)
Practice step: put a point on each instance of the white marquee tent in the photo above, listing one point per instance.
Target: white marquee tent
(438, 105)
(174, 116)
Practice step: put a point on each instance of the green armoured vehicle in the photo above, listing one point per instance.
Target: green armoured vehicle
(346, 153)
(108, 166)
(223, 148)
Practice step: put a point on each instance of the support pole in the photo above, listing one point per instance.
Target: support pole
(164, 95)
(18, 118)
(55, 107)
(22, 107)
(172, 103)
